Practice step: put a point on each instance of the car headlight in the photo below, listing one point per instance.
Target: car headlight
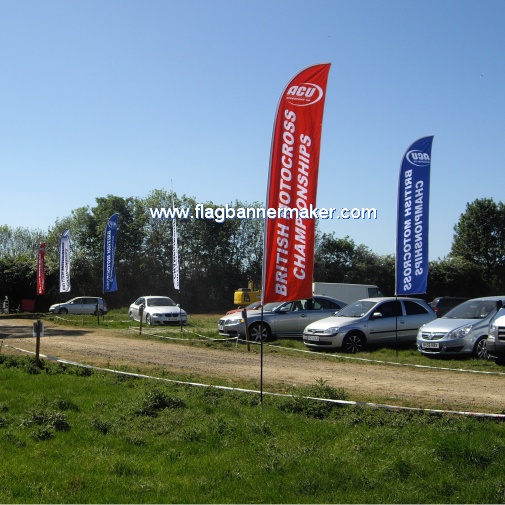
(331, 331)
(461, 332)
(492, 331)
(156, 314)
(232, 322)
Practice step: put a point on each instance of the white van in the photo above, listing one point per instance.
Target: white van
(349, 293)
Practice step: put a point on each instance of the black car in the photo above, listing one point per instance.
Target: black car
(444, 304)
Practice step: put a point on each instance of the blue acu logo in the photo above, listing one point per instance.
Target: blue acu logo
(418, 158)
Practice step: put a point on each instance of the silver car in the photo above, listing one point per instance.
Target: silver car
(462, 330)
(382, 320)
(81, 305)
(283, 319)
(157, 310)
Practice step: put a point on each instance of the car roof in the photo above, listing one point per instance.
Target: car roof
(85, 296)
(390, 299)
(488, 298)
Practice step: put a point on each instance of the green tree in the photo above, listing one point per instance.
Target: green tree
(456, 276)
(479, 237)
(341, 260)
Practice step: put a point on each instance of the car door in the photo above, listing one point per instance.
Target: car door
(415, 316)
(319, 308)
(89, 305)
(76, 306)
(290, 319)
(384, 322)
(135, 308)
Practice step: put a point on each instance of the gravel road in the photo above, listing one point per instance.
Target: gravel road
(395, 385)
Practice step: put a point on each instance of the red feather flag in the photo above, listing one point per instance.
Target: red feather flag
(288, 257)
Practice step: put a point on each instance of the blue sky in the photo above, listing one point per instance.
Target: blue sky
(123, 97)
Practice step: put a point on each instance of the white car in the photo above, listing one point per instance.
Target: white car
(157, 310)
(462, 330)
(382, 320)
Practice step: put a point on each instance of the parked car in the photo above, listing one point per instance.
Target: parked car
(443, 304)
(251, 306)
(463, 330)
(81, 305)
(283, 319)
(495, 343)
(382, 320)
(157, 310)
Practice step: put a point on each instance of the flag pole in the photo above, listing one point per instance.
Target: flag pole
(261, 358)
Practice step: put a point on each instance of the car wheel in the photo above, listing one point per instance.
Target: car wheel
(480, 349)
(100, 312)
(148, 320)
(353, 343)
(63, 311)
(259, 332)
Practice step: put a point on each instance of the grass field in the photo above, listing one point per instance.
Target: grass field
(72, 435)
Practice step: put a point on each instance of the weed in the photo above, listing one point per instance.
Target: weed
(43, 433)
(101, 425)
(302, 402)
(155, 400)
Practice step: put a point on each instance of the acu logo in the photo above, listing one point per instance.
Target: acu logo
(418, 158)
(304, 94)
(302, 91)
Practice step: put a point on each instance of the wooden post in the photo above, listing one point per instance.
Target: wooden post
(141, 315)
(37, 330)
(244, 317)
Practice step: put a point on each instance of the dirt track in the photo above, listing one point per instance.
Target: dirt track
(390, 384)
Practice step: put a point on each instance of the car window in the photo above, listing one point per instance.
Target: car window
(308, 304)
(413, 308)
(160, 302)
(292, 306)
(389, 309)
(472, 309)
(356, 309)
(271, 306)
(77, 301)
(323, 304)
(139, 301)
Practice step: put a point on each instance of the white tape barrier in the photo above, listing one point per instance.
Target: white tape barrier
(334, 356)
(252, 391)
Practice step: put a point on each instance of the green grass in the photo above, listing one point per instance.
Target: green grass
(71, 435)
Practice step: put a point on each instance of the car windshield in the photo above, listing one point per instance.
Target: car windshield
(160, 302)
(472, 309)
(356, 309)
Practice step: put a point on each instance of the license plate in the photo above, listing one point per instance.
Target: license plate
(430, 345)
(220, 327)
(313, 338)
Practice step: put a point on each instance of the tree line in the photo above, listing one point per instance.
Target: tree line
(217, 258)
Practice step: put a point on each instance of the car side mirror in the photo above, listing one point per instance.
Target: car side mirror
(376, 315)
(284, 309)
